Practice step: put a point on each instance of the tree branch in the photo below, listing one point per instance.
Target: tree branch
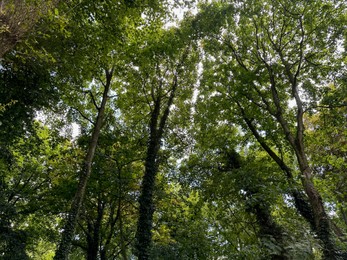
(84, 116)
(93, 100)
(263, 144)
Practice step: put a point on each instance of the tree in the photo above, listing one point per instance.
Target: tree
(244, 191)
(29, 169)
(107, 224)
(97, 20)
(270, 53)
(17, 18)
(326, 144)
(70, 226)
(219, 137)
(160, 83)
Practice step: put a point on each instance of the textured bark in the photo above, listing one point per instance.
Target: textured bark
(311, 208)
(322, 225)
(146, 209)
(300, 200)
(93, 236)
(270, 229)
(70, 225)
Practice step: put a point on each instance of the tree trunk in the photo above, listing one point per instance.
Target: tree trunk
(144, 228)
(322, 225)
(112, 222)
(94, 230)
(92, 245)
(146, 210)
(312, 210)
(69, 228)
(123, 250)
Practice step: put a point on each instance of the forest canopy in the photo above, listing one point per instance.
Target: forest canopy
(173, 129)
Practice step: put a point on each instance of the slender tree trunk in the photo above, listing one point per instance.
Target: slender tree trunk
(322, 223)
(70, 225)
(312, 209)
(144, 228)
(94, 230)
(112, 222)
(123, 248)
(270, 229)
(92, 244)
(146, 209)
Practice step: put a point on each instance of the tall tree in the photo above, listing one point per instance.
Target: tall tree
(102, 41)
(271, 53)
(29, 169)
(107, 224)
(70, 226)
(159, 66)
(245, 188)
(326, 144)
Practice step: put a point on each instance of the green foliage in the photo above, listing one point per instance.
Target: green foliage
(25, 87)
(218, 194)
(327, 145)
(17, 18)
(29, 173)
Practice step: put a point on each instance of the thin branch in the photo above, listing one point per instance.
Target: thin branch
(266, 102)
(330, 106)
(79, 244)
(237, 57)
(116, 161)
(265, 146)
(93, 100)
(301, 52)
(174, 86)
(145, 94)
(84, 116)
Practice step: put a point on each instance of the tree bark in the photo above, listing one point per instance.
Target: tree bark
(312, 209)
(270, 229)
(322, 225)
(70, 225)
(123, 249)
(93, 238)
(146, 209)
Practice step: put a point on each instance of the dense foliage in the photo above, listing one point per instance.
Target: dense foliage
(173, 129)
